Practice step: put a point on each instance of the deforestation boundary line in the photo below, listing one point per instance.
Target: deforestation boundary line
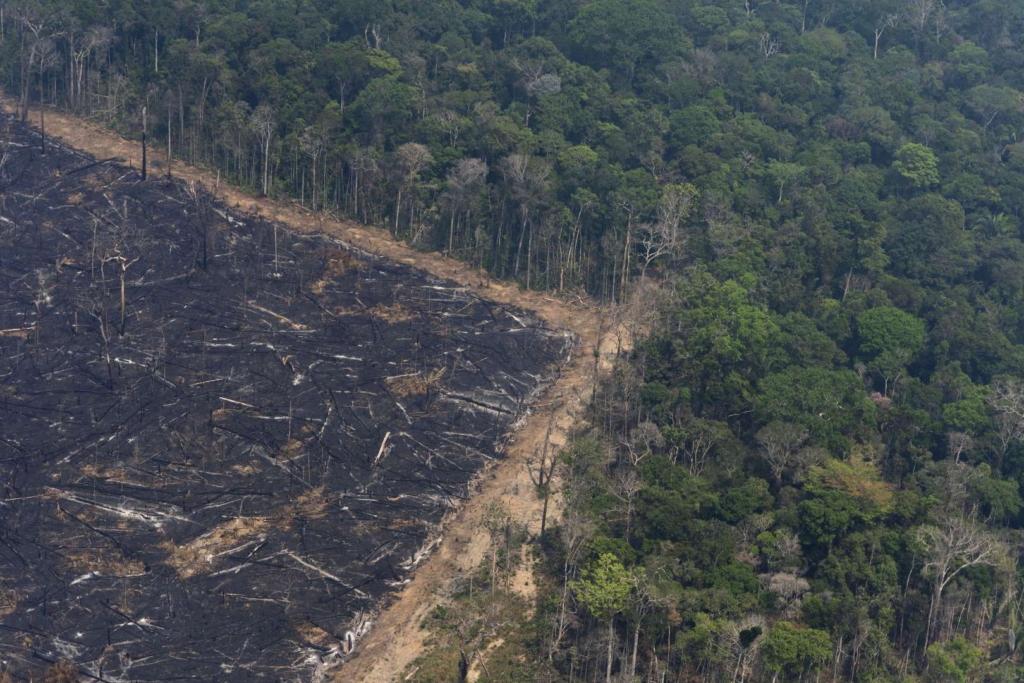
(396, 639)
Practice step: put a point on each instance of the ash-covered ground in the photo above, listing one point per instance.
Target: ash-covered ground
(221, 443)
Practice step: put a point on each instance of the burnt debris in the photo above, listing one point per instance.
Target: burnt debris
(222, 443)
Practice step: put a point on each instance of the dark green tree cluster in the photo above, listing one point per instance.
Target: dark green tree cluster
(579, 145)
(810, 465)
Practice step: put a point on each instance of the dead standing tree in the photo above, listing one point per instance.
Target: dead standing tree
(46, 58)
(664, 236)
(263, 122)
(313, 143)
(200, 202)
(80, 47)
(42, 299)
(33, 23)
(462, 181)
(528, 180)
(169, 106)
(121, 246)
(1007, 398)
(885, 21)
(575, 531)
(779, 442)
(145, 131)
(412, 158)
(954, 545)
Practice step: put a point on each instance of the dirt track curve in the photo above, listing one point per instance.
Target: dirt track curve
(396, 639)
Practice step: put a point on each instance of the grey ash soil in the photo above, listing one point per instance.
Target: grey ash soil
(225, 487)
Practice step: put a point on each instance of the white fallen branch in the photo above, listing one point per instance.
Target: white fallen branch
(315, 568)
(380, 451)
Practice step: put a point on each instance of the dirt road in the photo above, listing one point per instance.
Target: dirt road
(396, 639)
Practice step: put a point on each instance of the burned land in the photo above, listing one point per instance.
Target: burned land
(222, 443)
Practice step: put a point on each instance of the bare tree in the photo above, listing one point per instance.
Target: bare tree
(263, 121)
(46, 57)
(34, 22)
(664, 235)
(703, 67)
(627, 486)
(527, 178)
(462, 181)
(642, 441)
(575, 531)
(789, 588)
(741, 650)
(751, 6)
(500, 526)
(955, 544)
(122, 245)
(199, 200)
(81, 44)
(1010, 429)
(779, 443)
(43, 297)
(644, 598)
(803, 19)
(1007, 398)
(451, 124)
(313, 143)
(918, 12)
(885, 21)
(145, 134)
(769, 45)
(169, 105)
(958, 444)
(699, 439)
(412, 157)
(941, 21)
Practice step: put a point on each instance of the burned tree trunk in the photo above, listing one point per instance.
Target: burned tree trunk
(144, 131)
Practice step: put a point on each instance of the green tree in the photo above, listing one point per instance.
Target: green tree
(830, 404)
(620, 34)
(889, 329)
(828, 517)
(784, 175)
(790, 651)
(952, 660)
(604, 590)
(917, 165)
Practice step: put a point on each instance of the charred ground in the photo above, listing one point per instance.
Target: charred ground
(221, 443)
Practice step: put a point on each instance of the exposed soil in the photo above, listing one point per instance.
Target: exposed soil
(395, 639)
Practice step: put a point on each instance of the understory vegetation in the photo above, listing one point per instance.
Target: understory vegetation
(808, 212)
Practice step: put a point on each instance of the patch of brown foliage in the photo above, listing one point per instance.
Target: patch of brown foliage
(311, 505)
(106, 562)
(336, 264)
(61, 672)
(290, 449)
(395, 313)
(8, 602)
(115, 474)
(415, 384)
(314, 635)
(340, 262)
(198, 555)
